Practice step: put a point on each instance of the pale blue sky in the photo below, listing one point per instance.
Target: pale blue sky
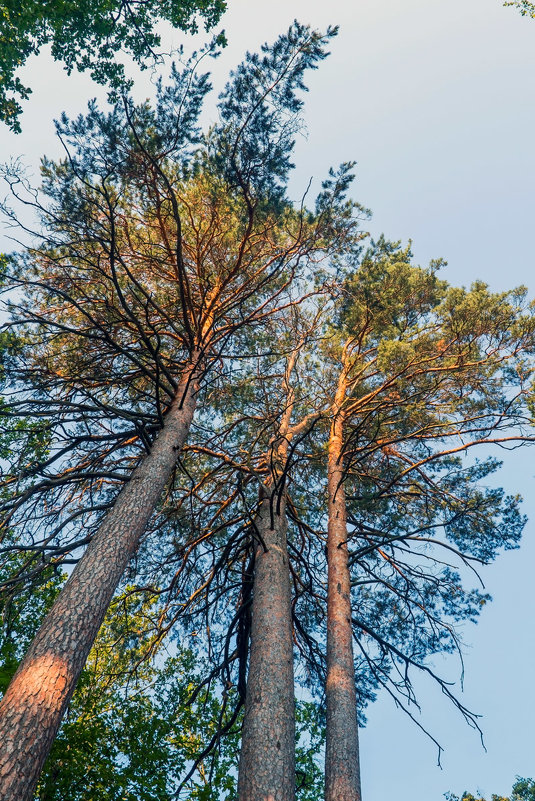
(435, 100)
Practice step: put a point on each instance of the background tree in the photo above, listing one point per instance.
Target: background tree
(523, 790)
(130, 731)
(526, 8)
(88, 35)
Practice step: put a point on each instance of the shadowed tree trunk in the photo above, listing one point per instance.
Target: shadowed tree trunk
(342, 770)
(267, 760)
(36, 699)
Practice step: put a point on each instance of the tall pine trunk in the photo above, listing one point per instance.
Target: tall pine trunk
(267, 759)
(36, 699)
(342, 770)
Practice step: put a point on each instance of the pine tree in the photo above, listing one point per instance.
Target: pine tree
(159, 247)
(426, 372)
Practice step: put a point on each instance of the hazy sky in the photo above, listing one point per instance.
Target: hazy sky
(435, 101)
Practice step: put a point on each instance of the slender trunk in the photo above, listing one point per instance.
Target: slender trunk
(36, 699)
(342, 771)
(267, 759)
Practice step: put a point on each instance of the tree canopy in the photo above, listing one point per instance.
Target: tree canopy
(88, 35)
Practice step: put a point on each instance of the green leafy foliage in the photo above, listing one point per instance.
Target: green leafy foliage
(523, 790)
(526, 8)
(310, 741)
(131, 732)
(21, 615)
(470, 797)
(87, 35)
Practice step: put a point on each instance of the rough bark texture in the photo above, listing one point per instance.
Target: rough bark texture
(342, 771)
(36, 699)
(267, 760)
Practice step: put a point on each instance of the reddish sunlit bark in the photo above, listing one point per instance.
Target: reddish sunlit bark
(267, 760)
(342, 771)
(36, 699)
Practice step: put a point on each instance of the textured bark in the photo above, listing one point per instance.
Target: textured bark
(36, 699)
(267, 759)
(342, 770)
